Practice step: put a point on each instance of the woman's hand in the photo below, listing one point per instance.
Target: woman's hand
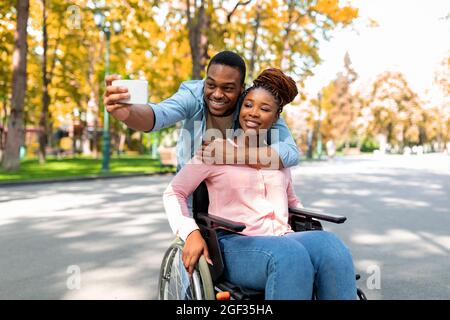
(194, 247)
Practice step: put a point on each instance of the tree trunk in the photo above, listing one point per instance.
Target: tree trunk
(93, 109)
(198, 23)
(251, 66)
(121, 144)
(93, 103)
(284, 60)
(15, 138)
(4, 123)
(43, 130)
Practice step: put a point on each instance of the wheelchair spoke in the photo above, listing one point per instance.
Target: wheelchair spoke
(175, 280)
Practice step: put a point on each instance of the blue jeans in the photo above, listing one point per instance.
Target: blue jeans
(292, 266)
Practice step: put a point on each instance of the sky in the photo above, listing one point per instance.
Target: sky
(412, 37)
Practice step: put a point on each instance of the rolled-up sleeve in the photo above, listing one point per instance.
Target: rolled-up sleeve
(283, 143)
(178, 107)
(175, 197)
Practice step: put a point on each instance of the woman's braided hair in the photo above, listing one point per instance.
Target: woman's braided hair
(281, 86)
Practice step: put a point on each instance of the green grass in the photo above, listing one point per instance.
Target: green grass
(30, 169)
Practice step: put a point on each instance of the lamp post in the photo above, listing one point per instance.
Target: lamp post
(105, 27)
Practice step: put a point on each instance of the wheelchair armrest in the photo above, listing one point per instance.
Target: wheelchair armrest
(309, 213)
(214, 221)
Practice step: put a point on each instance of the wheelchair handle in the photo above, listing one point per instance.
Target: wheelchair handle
(310, 213)
(215, 221)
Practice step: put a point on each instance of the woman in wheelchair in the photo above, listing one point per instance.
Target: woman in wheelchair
(267, 255)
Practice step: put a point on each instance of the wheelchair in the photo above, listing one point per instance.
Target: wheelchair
(207, 282)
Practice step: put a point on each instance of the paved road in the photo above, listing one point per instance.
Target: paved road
(114, 232)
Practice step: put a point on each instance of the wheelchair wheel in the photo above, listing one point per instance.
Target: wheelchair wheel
(174, 282)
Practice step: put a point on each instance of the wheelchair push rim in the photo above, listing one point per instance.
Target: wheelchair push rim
(174, 282)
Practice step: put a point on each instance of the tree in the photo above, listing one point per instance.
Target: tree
(165, 42)
(45, 81)
(340, 106)
(206, 22)
(7, 12)
(198, 22)
(442, 76)
(396, 111)
(266, 32)
(442, 80)
(287, 32)
(15, 137)
(47, 74)
(254, 52)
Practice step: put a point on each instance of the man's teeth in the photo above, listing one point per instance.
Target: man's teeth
(218, 103)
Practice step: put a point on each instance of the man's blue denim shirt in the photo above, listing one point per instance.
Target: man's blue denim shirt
(188, 105)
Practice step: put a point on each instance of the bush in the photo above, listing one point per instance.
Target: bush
(369, 144)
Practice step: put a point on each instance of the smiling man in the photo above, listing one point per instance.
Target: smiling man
(209, 104)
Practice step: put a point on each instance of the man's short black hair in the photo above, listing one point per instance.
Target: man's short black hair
(231, 59)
